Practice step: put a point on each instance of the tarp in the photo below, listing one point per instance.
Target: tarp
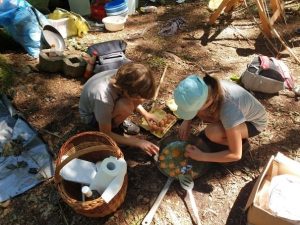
(24, 158)
(24, 23)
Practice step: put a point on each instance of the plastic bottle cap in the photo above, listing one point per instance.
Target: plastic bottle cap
(86, 191)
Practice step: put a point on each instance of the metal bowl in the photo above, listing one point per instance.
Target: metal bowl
(51, 38)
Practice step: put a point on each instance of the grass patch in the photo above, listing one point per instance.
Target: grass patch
(190, 58)
(156, 62)
(6, 76)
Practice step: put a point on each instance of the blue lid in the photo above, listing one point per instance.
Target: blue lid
(119, 13)
(115, 9)
(115, 4)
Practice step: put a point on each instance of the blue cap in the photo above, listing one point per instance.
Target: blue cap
(190, 95)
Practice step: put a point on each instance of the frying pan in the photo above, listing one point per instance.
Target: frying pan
(50, 36)
(200, 168)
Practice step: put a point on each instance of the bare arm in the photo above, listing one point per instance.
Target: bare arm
(141, 110)
(234, 152)
(148, 116)
(145, 145)
(184, 129)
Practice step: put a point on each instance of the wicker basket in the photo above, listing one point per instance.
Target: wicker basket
(93, 147)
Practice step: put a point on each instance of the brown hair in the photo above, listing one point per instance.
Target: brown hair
(216, 95)
(136, 79)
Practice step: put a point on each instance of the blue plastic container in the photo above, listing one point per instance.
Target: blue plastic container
(120, 13)
(116, 7)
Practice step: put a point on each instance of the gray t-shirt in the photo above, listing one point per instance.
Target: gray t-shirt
(240, 106)
(98, 98)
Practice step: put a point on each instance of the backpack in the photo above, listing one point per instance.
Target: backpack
(267, 75)
(110, 55)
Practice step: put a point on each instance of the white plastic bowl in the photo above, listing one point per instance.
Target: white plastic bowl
(60, 25)
(114, 23)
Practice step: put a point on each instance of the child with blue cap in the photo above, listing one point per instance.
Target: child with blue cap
(233, 114)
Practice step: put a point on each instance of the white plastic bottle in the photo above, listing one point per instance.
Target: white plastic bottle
(89, 194)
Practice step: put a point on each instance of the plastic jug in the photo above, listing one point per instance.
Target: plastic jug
(79, 171)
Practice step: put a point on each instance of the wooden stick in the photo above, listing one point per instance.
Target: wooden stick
(261, 29)
(158, 87)
(237, 30)
(287, 47)
(48, 132)
(276, 34)
(160, 82)
(213, 17)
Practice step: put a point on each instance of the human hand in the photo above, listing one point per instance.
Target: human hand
(183, 131)
(150, 117)
(147, 147)
(191, 151)
(152, 122)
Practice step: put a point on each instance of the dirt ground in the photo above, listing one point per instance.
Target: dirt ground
(49, 102)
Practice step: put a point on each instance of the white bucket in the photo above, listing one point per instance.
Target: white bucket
(132, 6)
(60, 25)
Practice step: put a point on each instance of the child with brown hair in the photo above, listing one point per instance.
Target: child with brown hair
(109, 97)
(233, 115)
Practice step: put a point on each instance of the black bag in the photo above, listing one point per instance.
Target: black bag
(110, 55)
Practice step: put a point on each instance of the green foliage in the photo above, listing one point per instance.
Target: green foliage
(6, 75)
(189, 57)
(156, 62)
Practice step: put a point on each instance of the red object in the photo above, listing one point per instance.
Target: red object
(98, 11)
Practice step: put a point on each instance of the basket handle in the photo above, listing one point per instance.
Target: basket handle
(77, 154)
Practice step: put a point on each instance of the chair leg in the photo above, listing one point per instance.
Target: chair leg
(266, 27)
(230, 5)
(217, 13)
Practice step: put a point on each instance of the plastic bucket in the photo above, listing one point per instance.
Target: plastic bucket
(116, 7)
(123, 13)
(60, 25)
(132, 6)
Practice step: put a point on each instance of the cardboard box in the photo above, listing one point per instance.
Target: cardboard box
(256, 207)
